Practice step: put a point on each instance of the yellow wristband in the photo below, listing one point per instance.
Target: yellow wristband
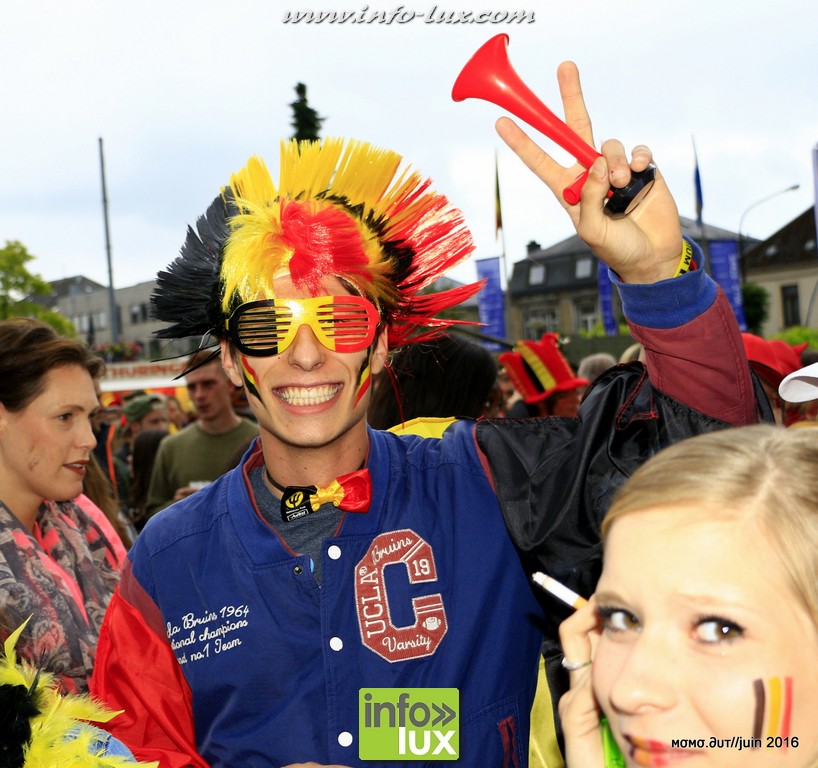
(686, 262)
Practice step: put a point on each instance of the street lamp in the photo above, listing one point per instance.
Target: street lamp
(749, 208)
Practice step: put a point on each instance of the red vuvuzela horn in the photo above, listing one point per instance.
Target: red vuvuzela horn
(488, 75)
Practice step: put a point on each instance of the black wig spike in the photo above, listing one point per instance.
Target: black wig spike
(187, 293)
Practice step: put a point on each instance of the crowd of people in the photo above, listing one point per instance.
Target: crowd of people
(220, 578)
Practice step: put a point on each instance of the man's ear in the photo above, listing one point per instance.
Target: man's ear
(229, 364)
(379, 352)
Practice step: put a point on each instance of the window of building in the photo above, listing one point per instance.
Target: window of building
(583, 268)
(586, 314)
(539, 321)
(135, 315)
(536, 274)
(790, 306)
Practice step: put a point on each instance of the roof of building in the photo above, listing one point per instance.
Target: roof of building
(562, 266)
(793, 245)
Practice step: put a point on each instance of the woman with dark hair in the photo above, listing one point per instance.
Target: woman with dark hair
(59, 562)
(447, 376)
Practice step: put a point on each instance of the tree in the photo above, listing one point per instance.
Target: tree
(756, 302)
(798, 334)
(18, 285)
(306, 122)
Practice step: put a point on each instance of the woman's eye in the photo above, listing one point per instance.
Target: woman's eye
(618, 620)
(717, 630)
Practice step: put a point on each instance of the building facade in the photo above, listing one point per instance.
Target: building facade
(786, 266)
(555, 289)
(87, 305)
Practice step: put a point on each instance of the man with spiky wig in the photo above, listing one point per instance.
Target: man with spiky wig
(337, 558)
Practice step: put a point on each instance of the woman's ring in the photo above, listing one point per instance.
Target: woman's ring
(573, 666)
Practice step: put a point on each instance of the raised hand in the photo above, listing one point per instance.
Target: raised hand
(642, 247)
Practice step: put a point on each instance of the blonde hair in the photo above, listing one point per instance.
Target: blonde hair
(765, 472)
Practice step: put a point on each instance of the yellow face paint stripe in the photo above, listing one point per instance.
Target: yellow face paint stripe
(363, 383)
(774, 706)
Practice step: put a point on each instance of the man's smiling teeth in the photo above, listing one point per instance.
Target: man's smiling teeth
(308, 395)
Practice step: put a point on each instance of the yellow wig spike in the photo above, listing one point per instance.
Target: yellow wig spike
(307, 168)
(256, 183)
(60, 735)
(260, 223)
(364, 175)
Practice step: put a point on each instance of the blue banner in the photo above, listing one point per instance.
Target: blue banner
(603, 282)
(725, 268)
(490, 301)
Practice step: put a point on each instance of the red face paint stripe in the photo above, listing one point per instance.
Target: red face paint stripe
(249, 376)
(786, 709)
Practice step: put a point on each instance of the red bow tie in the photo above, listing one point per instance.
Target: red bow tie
(351, 493)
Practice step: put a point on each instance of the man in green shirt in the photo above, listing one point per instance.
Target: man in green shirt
(190, 459)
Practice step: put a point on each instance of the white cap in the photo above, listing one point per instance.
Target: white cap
(801, 385)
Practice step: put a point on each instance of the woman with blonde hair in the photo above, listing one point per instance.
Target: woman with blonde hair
(59, 562)
(700, 645)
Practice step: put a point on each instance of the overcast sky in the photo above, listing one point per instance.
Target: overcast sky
(182, 92)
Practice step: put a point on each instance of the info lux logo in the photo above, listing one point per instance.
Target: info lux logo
(408, 723)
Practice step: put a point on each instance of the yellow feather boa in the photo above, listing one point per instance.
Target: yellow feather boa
(60, 735)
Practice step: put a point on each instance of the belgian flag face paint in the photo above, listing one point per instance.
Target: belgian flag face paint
(773, 710)
(364, 380)
(249, 376)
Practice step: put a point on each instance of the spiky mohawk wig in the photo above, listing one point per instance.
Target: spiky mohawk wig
(342, 209)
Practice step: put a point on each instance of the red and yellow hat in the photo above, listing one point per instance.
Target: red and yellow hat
(538, 369)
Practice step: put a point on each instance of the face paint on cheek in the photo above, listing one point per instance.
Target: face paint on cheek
(773, 699)
(249, 376)
(364, 380)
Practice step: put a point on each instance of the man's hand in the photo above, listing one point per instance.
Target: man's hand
(183, 493)
(643, 247)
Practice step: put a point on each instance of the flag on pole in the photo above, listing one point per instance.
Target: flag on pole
(498, 211)
(491, 300)
(697, 183)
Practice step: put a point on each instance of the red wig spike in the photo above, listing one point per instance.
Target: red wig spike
(324, 240)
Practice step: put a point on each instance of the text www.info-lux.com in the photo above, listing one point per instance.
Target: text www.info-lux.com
(403, 15)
